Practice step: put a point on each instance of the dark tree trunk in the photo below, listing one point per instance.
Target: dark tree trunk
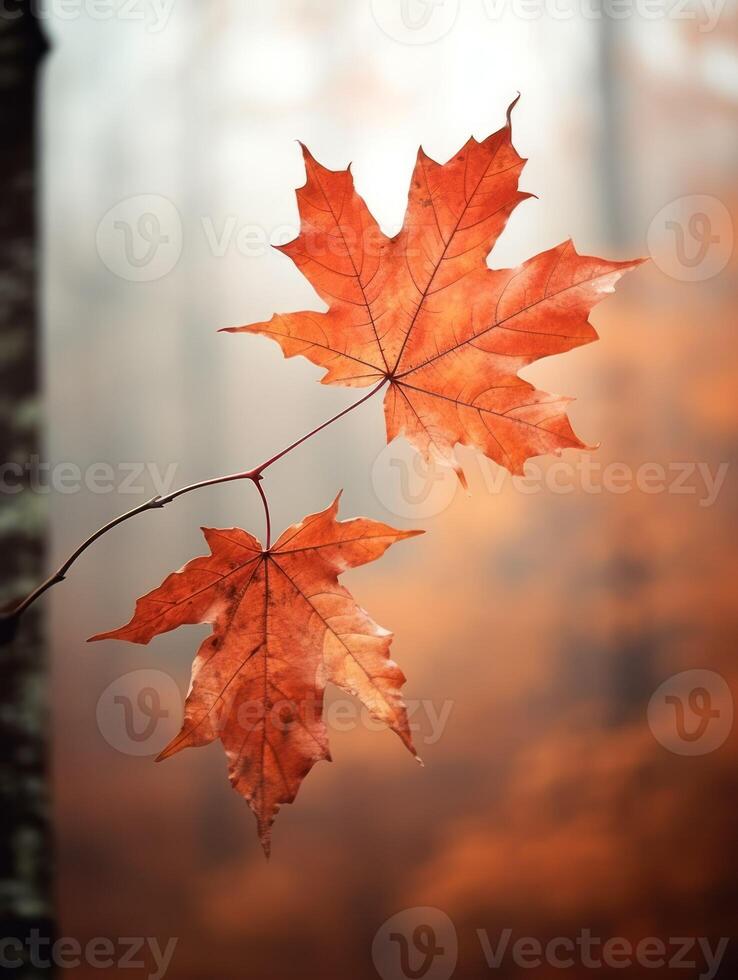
(25, 840)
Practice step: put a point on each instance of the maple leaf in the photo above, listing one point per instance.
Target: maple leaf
(282, 628)
(424, 312)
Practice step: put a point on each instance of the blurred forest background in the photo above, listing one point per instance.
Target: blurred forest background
(540, 623)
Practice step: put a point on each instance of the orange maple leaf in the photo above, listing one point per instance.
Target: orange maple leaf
(282, 628)
(424, 312)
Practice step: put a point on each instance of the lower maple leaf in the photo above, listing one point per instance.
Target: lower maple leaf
(282, 628)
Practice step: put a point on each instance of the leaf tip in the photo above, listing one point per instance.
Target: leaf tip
(508, 114)
(176, 745)
(410, 533)
(109, 635)
(265, 833)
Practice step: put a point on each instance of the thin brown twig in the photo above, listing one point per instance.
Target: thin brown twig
(9, 617)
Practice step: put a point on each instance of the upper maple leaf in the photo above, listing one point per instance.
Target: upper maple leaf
(282, 628)
(423, 311)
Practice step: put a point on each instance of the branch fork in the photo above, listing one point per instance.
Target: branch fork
(11, 614)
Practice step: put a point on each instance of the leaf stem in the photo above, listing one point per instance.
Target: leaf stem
(260, 488)
(298, 442)
(10, 616)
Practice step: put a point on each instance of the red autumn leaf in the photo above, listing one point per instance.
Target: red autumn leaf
(424, 312)
(282, 628)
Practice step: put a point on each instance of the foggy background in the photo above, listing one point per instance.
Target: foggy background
(540, 624)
